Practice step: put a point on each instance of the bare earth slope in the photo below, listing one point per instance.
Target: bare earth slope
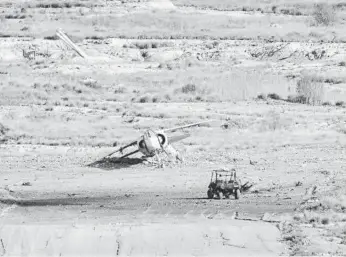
(156, 65)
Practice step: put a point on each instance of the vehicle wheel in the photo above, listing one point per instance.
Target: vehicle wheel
(237, 193)
(218, 196)
(210, 194)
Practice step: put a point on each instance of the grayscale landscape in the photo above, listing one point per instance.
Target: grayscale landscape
(267, 78)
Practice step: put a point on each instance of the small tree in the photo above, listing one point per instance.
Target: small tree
(311, 89)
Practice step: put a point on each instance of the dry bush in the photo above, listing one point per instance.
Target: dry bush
(15, 16)
(323, 14)
(262, 97)
(3, 130)
(336, 202)
(188, 88)
(274, 96)
(310, 89)
(296, 99)
(146, 45)
(61, 5)
(120, 90)
(145, 99)
(340, 103)
(327, 103)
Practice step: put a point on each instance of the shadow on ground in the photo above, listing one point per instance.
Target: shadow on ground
(64, 201)
(203, 198)
(115, 163)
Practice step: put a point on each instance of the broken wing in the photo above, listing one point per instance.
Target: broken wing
(186, 126)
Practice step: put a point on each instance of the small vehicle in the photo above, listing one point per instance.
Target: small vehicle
(224, 182)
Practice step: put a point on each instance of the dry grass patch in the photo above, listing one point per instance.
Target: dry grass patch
(100, 22)
(324, 14)
(310, 89)
(274, 121)
(195, 84)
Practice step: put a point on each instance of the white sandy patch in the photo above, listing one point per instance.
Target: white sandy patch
(196, 237)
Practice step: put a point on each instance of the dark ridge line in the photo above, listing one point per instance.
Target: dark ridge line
(258, 220)
(241, 9)
(176, 38)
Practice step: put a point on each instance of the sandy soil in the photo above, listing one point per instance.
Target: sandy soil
(161, 64)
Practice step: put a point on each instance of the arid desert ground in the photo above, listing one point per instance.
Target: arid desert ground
(271, 77)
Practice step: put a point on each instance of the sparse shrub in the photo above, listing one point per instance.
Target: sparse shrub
(342, 64)
(274, 8)
(298, 184)
(120, 90)
(262, 97)
(145, 54)
(296, 99)
(146, 45)
(160, 116)
(15, 16)
(168, 97)
(78, 91)
(335, 202)
(215, 43)
(325, 221)
(333, 81)
(96, 37)
(55, 37)
(285, 11)
(91, 83)
(156, 99)
(189, 88)
(291, 11)
(323, 14)
(69, 105)
(2, 35)
(209, 46)
(145, 99)
(311, 89)
(3, 129)
(170, 66)
(274, 96)
(259, 9)
(59, 5)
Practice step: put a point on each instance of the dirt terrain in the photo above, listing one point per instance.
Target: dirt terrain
(161, 64)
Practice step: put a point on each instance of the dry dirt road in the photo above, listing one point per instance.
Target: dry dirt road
(75, 210)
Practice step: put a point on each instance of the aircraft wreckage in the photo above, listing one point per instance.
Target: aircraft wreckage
(152, 143)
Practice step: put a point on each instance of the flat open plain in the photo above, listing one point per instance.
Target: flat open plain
(162, 64)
